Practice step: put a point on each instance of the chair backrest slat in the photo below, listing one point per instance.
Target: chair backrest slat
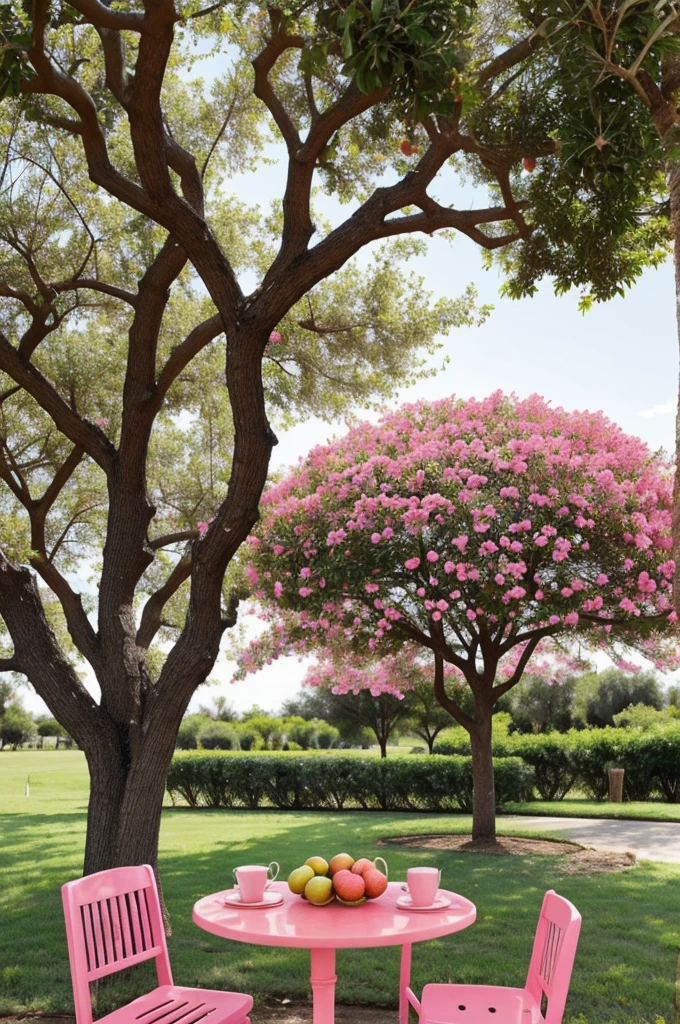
(116, 930)
(553, 955)
(125, 924)
(147, 933)
(135, 928)
(113, 921)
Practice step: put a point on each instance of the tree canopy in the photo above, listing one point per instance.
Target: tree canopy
(475, 530)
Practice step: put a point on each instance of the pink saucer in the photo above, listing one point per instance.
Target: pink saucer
(441, 903)
(270, 899)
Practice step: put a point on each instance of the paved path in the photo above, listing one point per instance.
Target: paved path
(648, 840)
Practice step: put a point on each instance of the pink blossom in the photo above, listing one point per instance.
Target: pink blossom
(305, 591)
(305, 572)
(553, 620)
(602, 579)
(571, 619)
(102, 421)
(488, 547)
(471, 615)
(275, 338)
(371, 588)
(376, 538)
(646, 584)
(432, 556)
(412, 563)
(278, 589)
(460, 543)
(202, 528)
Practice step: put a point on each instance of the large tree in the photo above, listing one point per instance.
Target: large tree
(475, 530)
(148, 319)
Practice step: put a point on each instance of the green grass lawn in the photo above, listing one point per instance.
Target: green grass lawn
(625, 969)
(651, 810)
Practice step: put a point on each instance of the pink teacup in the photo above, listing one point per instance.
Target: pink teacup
(423, 884)
(253, 879)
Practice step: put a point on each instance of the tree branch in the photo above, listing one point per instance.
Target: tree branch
(172, 538)
(153, 609)
(513, 55)
(182, 354)
(38, 654)
(278, 42)
(103, 16)
(442, 696)
(83, 434)
(92, 284)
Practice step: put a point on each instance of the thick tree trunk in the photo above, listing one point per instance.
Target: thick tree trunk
(484, 795)
(124, 810)
(127, 786)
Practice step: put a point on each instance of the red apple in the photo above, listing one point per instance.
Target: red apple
(375, 883)
(361, 865)
(348, 886)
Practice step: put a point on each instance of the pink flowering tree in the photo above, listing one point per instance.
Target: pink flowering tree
(477, 530)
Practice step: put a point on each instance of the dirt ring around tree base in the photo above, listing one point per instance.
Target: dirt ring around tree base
(574, 858)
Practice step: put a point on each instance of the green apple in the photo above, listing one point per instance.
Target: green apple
(319, 890)
(318, 865)
(297, 880)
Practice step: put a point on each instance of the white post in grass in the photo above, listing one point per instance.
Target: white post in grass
(28, 786)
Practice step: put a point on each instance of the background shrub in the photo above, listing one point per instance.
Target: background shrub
(218, 736)
(293, 781)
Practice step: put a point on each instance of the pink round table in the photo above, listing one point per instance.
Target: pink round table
(323, 930)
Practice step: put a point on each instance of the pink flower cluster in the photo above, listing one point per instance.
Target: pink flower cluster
(499, 520)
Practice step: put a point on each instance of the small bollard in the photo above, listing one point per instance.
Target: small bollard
(616, 785)
(27, 791)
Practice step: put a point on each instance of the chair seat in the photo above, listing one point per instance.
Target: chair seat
(174, 1004)
(478, 1004)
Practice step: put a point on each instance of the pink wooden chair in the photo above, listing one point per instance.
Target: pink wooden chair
(113, 921)
(543, 998)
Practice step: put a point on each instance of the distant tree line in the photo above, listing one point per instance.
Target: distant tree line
(18, 727)
(316, 718)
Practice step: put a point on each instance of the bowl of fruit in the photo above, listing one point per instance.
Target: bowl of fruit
(350, 882)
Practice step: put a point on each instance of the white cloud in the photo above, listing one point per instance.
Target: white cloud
(660, 410)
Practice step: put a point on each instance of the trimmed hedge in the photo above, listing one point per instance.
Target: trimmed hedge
(315, 782)
(561, 761)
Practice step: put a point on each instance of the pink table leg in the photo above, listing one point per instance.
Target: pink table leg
(404, 982)
(323, 978)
